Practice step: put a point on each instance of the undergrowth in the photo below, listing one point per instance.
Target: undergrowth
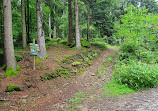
(73, 102)
(72, 65)
(115, 89)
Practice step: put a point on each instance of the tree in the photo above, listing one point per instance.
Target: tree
(70, 39)
(23, 24)
(88, 23)
(77, 32)
(40, 32)
(8, 37)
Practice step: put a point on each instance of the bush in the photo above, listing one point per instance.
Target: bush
(10, 72)
(137, 75)
(64, 42)
(129, 47)
(85, 44)
(100, 45)
(18, 58)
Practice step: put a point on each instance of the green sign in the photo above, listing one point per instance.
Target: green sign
(34, 49)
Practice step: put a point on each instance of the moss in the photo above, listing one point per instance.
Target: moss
(11, 88)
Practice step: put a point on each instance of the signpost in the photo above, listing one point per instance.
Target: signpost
(34, 51)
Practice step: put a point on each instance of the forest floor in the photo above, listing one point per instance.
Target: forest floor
(60, 94)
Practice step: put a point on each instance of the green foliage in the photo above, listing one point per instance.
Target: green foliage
(85, 44)
(100, 45)
(129, 47)
(76, 100)
(64, 42)
(10, 72)
(18, 58)
(18, 68)
(137, 75)
(38, 59)
(115, 89)
(11, 88)
(76, 63)
(81, 61)
(4, 67)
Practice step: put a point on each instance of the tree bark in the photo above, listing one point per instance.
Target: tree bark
(28, 23)
(88, 17)
(8, 37)
(70, 39)
(55, 32)
(40, 32)
(49, 26)
(23, 24)
(77, 32)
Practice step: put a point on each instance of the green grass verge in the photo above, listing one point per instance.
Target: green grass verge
(115, 89)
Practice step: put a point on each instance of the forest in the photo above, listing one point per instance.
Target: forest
(56, 50)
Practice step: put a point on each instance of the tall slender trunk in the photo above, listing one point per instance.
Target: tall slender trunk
(8, 37)
(28, 22)
(70, 39)
(23, 24)
(77, 32)
(40, 32)
(88, 17)
(55, 32)
(49, 26)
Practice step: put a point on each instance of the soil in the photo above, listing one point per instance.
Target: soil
(54, 95)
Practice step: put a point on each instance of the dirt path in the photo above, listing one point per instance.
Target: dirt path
(94, 100)
(88, 83)
(55, 95)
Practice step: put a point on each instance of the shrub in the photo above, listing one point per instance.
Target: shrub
(18, 68)
(18, 58)
(100, 45)
(129, 47)
(137, 75)
(10, 72)
(86, 44)
(11, 88)
(64, 42)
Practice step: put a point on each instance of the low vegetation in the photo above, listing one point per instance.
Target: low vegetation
(73, 102)
(72, 65)
(11, 88)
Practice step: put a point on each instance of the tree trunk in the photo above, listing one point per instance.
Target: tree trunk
(88, 17)
(8, 37)
(28, 23)
(23, 25)
(49, 26)
(55, 32)
(77, 32)
(70, 39)
(40, 32)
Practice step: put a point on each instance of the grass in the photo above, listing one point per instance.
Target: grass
(100, 72)
(76, 100)
(108, 60)
(115, 89)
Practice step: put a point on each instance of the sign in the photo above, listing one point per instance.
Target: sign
(34, 49)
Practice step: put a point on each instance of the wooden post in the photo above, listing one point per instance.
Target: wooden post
(34, 56)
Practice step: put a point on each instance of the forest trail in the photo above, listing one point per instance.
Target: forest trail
(56, 95)
(91, 86)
